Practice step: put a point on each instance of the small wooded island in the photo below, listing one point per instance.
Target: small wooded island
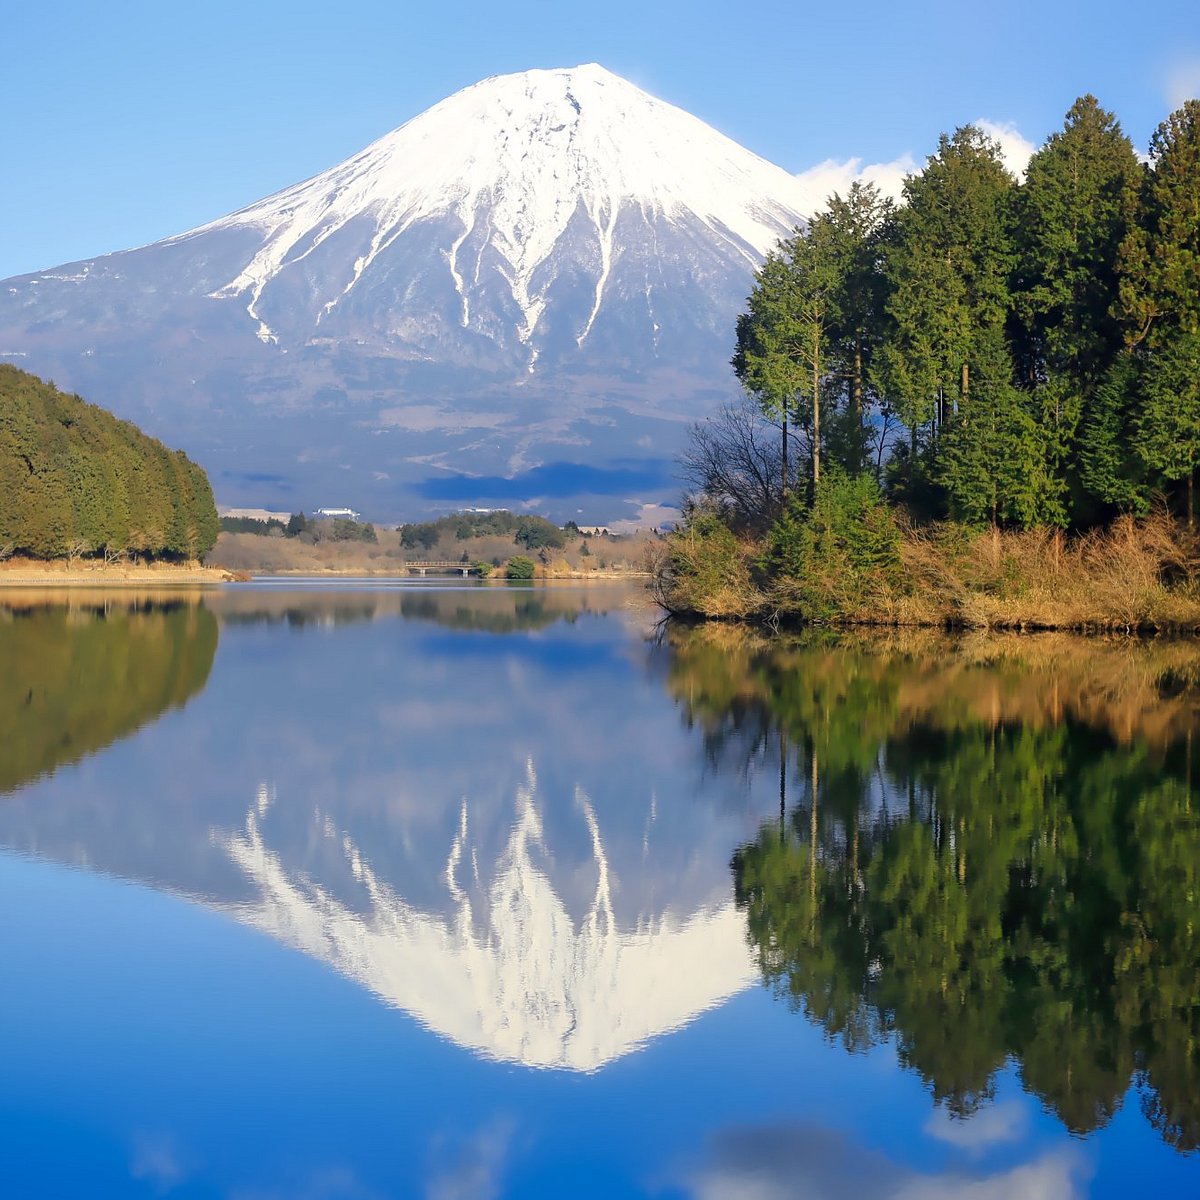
(980, 407)
(76, 483)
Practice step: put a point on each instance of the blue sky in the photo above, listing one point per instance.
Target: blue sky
(134, 120)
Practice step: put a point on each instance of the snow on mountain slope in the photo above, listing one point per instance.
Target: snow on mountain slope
(519, 156)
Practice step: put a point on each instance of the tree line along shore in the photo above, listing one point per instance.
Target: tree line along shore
(978, 407)
(78, 484)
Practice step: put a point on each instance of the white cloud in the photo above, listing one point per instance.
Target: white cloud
(807, 1162)
(985, 1128)
(477, 1164)
(822, 181)
(1015, 149)
(1182, 82)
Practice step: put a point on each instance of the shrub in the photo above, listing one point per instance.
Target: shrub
(837, 558)
(706, 570)
(520, 567)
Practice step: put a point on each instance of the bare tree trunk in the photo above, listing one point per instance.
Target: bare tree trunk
(816, 391)
(783, 486)
(856, 398)
(965, 383)
(1191, 501)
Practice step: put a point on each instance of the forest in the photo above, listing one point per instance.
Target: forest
(76, 482)
(990, 355)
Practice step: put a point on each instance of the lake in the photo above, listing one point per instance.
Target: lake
(409, 889)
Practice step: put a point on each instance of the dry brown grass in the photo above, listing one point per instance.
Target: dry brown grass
(1137, 575)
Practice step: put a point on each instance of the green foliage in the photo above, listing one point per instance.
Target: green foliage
(991, 461)
(706, 569)
(947, 265)
(520, 567)
(1167, 423)
(1160, 282)
(1073, 213)
(340, 529)
(423, 535)
(811, 327)
(297, 524)
(530, 532)
(75, 480)
(253, 525)
(833, 556)
(1034, 340)
(1110, 469)
(536, 533)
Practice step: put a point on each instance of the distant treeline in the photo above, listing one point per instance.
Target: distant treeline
(311, 529)
(534, 533)
(76, 481)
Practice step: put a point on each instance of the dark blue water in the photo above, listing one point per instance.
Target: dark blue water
(478, 892)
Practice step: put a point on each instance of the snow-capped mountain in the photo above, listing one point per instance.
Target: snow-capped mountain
(541, 271)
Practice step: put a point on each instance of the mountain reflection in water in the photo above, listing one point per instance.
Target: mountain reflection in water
(988, 850)
(507, 970)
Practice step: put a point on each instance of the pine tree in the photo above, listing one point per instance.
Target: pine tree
(1109, 467)
(851, 233)
(1160, 301)
(1167, 424)
(783, 338)
(1160, 259)
(947, 362)
(1074, 211)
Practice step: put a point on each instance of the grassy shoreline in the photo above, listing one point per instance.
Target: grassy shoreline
(1138, 576)
(63, 573)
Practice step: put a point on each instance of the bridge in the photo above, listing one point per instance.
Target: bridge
(440, 568)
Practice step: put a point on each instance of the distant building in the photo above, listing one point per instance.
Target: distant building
(337, 514)
(592, 530)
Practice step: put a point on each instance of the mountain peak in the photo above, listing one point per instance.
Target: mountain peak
(523, 155)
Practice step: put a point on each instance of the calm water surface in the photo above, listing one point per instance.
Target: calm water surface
(470, 892)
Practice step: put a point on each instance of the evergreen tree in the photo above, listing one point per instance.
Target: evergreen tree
(851, 233)
(1073, 213)
(770, 333)
(1160, 260)
(74, 479)
(1109, 467)
(1160, 300)
(947, 362)
(1166, 426)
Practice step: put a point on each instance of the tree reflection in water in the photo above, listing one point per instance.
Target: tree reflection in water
(988, 850)
(82, 671)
